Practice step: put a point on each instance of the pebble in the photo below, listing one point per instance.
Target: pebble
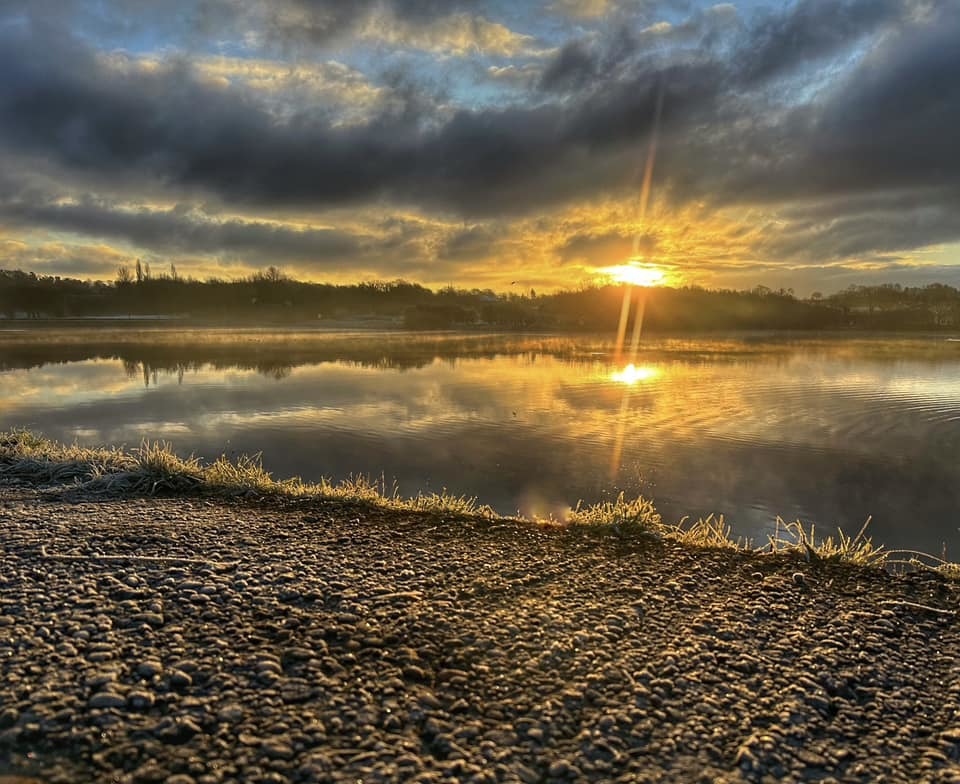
(150, 618)
(106, 699)
(180, 680)
(277, 749)
(140, 700)
(231, 713)
(149, 668)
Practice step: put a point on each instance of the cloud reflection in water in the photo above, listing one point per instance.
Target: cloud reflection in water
(830, 432)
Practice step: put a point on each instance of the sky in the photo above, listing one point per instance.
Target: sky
(495, 144)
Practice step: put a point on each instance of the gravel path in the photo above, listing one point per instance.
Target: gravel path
(189, 641)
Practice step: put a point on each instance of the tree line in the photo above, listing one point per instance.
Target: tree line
(270, 296)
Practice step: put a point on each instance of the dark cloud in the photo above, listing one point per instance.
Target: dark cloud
(173, 128)
(181, 230)
(886, 126)
(468, 244)
(863, 228)
(572, 67)
(629, 48)
(893, 121)
(875, 111)
(813, 29)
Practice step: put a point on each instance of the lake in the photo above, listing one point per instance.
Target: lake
(827, 429)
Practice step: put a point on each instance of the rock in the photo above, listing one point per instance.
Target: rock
(106, 699)
(153, 619)
(276, 749)
(149, 668)
(179, 731)
(140, 700)
(231, 713)
(8, 717)
(413, 673)
(180, 680)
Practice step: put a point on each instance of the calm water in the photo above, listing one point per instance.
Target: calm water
(828, 430)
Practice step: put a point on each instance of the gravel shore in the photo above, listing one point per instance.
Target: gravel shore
(191, 641)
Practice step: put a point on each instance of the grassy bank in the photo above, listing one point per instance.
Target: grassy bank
(156, 469)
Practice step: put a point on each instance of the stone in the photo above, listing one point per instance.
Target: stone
(106, 699)
(276, 749)
(149, 668)
(140, 700)
(180, 680)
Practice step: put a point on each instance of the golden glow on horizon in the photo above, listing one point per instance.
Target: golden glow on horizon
(632, 375)
(692, 246)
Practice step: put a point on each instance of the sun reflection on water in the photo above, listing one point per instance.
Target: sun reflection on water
(633, 375)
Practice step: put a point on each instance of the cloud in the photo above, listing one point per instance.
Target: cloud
(65, 259)
(176, 129)
(173, 126)
(860, 228)
(450, 27)
(515, 76)
(180, 230)
(256, 23)
(323, 21)
(581, 9)
(454, 34)
(812, 30)
(345, 94)
(783, 122)
(883, 126)
(598, 250)
(573, 67)
(470, 243)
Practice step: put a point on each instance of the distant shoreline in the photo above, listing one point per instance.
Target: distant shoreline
(393, 326)
(272, 297)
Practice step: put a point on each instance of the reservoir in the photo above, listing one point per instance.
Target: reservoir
(826, 429)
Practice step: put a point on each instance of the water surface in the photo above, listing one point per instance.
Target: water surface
(830, 430)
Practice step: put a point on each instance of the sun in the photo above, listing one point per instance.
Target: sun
(636, 274)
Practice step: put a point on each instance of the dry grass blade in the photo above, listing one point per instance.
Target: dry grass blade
(797, 538)
(155, 468)
(712, 532)
(621, 517)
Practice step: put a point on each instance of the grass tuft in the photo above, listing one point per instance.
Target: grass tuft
(796, 538)
(712, 532)
(154, 468)
(624, 518)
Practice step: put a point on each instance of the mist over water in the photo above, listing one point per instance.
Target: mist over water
(828, 430)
